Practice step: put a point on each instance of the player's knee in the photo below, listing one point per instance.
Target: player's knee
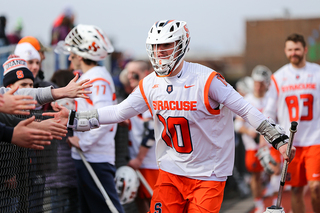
(314, 187)
(297, 191)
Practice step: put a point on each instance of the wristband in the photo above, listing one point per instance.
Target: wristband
(72, 115)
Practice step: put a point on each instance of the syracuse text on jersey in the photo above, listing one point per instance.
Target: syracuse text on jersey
(175, 105)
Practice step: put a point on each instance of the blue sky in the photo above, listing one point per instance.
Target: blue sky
(216, 27)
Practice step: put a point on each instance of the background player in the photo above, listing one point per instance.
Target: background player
(294, 91)
(87, 45)
(250, 137)
(141, 138)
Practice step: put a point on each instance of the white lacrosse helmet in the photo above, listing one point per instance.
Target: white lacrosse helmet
(127, 184)
(261, 73)
(167, 31)
(87, 41)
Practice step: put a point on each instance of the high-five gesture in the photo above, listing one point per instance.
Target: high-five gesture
(27, 137)
(61, 113)
(73, 90)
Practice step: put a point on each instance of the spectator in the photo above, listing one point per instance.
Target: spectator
(39, 77)
(13, 77)
(18, 75)
(26, 51)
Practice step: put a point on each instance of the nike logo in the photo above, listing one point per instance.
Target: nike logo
(315, 175)
(179, 75)
(185, 86)
(155, 86)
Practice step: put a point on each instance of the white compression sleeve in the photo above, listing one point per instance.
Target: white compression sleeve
(116, 113)
(244, 109)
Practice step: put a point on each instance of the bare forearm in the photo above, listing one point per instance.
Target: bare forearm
(58, 93)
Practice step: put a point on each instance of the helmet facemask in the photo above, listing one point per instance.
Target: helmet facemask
(166, 45)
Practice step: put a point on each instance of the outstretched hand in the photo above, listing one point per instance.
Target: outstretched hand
(27, 137)
(61, 114)
(17, 104)
(73, 90)
(53, 126)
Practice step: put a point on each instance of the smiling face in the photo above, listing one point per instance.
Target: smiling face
(296, 53)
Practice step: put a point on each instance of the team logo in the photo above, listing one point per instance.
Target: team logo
(94, 47)
(19, 74)
(169, 89)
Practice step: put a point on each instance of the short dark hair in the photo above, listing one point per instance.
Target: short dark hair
(89, 61)
(62, 77)
(296, 38)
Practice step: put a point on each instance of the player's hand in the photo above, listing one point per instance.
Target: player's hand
(135, 163)
(73, 90)
(27, 137)
(266, 159)
(74, 141)
(1, 100)
(61, 114)
(283, 151)
(17, 104)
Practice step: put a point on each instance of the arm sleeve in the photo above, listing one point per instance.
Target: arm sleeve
(116, 113)
(41, 95)
(133, 105)
(9, 120)
(226, 95)
(6, 133)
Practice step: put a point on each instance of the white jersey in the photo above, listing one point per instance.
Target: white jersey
(98, 145)
(294, 95)
(136, 134)
(193, 122)
(193, 139)
(259, 103)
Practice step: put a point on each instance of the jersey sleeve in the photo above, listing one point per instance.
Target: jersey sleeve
(137, 102)
(225, 94)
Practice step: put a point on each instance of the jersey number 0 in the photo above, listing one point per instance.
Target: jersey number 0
(179, 130)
